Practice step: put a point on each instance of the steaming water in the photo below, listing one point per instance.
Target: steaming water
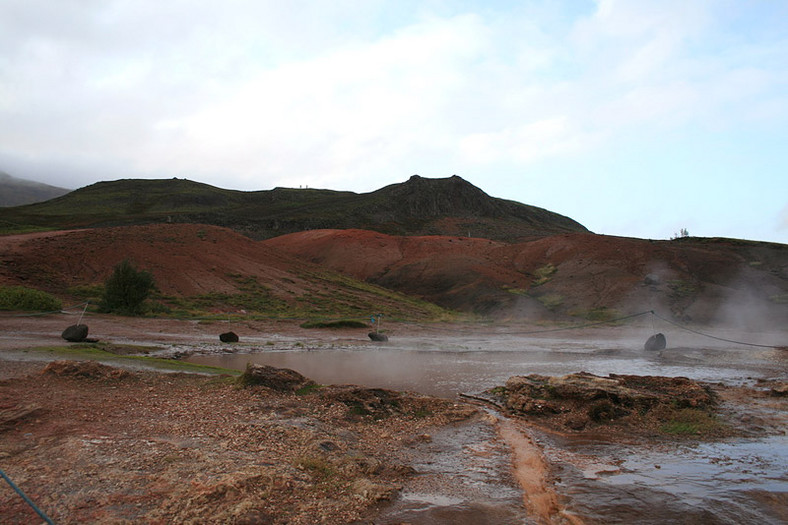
(737, 481)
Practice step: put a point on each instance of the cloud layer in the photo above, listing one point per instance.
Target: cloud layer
(582, 108)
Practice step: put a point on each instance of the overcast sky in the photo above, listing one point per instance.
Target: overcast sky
(634, 117)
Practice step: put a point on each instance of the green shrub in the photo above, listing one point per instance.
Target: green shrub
(28, 299)
(127, 289)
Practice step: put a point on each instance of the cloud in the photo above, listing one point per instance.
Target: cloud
(356, 95)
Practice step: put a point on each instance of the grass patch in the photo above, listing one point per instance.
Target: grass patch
(680, 289)
(308, 389)
(544, 274)
(28, 299)
(779, 299)
(343, 323)
(692, 422)
(97, 352)
(551, 301)
(318, 467)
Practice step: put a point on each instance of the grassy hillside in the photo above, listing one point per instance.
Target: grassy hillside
(18, 192)
(416, 207)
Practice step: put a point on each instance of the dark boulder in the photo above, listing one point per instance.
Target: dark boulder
(656, 342)
(76, 333)
(375, 336)
(228, 337)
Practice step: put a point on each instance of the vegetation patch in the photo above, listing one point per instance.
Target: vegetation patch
(97, 352)
(544, 274)
(27, 299)
(681, 289)
(691, 422)
(602, 313)
(551, 301)
(779, 299)
(342, 323)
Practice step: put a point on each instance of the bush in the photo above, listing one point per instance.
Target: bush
(21, 298)
(127, 289)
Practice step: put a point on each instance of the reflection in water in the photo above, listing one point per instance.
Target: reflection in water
(738, 481)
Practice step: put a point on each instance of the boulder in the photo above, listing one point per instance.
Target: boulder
(76, 333)
(282, 379)
(376, 336)
(656, 342)
(228, 337)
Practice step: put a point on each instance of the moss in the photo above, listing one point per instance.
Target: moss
(551, 301)
(97, 352)
(692, 421)
(544, 274)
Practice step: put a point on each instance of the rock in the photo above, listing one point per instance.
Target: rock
(282, 379)
(656, 342)
(228, 337)
(371, 491)
(376, 336)
(779, 390)
(651, 280)
(76, 333)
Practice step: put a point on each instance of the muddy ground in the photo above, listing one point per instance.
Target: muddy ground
(121, 444)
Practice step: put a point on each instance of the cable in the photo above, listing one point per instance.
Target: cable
(708, 335)
(27, 500)
(596, 323)
(61, 311)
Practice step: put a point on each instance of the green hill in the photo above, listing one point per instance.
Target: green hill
(18, 192)
(419, 206)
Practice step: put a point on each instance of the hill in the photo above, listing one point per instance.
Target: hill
(419, 206)
(196, 268)
(17, 192)
(352, 273)
(596, 277)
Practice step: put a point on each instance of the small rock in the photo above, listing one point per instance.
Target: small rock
(372, 491)
(228, 337)
(375, 336)
(656, 342)
(779, 390)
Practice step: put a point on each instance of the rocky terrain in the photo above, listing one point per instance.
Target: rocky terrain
(351, 273)
(91, 443)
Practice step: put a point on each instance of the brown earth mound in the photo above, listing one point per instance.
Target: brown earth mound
(106, 447)
(617, 404)
(744, 284)
(585, 275)
(189, 260)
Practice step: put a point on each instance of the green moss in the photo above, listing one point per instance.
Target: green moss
(343, 323)
(308, 389)
(544, 274)
(551, 301)
(692, 421)
(97, 352)
(779, 299)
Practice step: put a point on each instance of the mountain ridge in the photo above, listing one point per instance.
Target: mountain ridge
(418, 206)
(18, 192)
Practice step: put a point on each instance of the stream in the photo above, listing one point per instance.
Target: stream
(731, 481)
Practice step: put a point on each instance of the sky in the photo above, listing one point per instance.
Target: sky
(635, 118)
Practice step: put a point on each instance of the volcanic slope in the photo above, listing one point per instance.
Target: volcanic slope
(17, 192)
(419, 206)
(197, 267)
(586, 275)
